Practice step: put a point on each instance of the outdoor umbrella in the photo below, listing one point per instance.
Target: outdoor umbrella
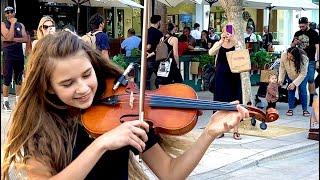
(97, 3)
(173, 3)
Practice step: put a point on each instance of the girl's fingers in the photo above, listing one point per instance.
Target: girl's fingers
(135, 144)
(141, 144)
(140, 133)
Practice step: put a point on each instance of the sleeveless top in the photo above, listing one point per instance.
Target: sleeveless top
(112, 164)
(222, 62)
(17, 34)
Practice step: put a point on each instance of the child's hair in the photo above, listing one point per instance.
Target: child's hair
(273, 74)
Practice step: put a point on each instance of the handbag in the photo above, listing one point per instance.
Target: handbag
(239, 60)
(265, 73)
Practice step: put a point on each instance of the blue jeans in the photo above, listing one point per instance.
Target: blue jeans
(302, 88)
(311, 71)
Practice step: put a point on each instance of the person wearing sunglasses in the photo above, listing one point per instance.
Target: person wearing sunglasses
(308, 40)
(13, 34)
(46, 26)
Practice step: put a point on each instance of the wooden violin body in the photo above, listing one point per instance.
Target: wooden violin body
(172, 109)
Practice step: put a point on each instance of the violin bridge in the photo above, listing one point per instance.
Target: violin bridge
(131, 100)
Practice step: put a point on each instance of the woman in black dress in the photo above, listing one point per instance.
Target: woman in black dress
(227, 84)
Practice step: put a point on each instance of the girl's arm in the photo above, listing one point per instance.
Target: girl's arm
(174, 42)
(131, 133)
(216, 46)
(165, 167)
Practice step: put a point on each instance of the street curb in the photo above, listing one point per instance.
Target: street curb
(258, 158)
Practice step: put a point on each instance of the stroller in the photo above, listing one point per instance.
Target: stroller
(262, 90)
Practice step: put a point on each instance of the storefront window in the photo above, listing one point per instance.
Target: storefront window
(109, 22)
(120, 23)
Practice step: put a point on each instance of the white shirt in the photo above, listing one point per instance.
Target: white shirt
(253, 37)
(195, 34)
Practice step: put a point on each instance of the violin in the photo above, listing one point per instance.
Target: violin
(171, 109)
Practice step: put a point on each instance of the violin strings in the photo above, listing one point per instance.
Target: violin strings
(168, 101)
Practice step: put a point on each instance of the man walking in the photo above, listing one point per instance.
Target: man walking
(154, 36)
(13, 34)
(308, 40)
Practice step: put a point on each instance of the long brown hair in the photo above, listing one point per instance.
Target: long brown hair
(41, 125)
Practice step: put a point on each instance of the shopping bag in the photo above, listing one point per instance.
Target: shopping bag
(194, 67)
(164, 68)
(239, 60)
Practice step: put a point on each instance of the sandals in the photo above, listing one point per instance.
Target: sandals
(306, 113)
(236, 136)
(289, 112)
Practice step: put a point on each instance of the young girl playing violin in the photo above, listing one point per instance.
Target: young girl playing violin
(46, 139)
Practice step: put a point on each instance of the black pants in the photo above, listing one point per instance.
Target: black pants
(152, 68)
(271, 105)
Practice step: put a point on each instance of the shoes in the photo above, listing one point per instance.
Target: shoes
(289, 112)
(6, 106)
(306, 113)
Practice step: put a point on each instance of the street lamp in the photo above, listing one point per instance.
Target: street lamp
(210, 3)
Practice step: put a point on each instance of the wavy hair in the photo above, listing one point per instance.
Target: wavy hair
(41, 126)
(297, 54)
(44, 19)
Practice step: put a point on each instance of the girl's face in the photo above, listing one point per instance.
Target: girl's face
(273, 79)
(74, 80)
(48, 28)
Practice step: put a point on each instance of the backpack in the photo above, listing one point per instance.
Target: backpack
(162, 50)
(90, 39)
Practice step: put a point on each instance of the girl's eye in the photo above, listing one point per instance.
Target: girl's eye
(67, 84)
(86, 75)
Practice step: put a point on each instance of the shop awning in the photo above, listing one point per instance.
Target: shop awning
(173, 3)
(278, 4)
(99, 3)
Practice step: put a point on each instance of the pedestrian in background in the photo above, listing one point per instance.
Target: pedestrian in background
(174, 75)
(13, 34)
(308, 40)
(272, 91)
(227, 84)
(131, 42)
(195, 33)
(294, 64)
(154, 36)
(102, 40)
(46, 26)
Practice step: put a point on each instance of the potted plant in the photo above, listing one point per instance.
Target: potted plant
(260, 58)
(120, 60)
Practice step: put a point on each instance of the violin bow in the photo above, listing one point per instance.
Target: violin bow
(143, 59)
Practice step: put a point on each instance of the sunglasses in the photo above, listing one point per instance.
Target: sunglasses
(9, 12)
(45, 27)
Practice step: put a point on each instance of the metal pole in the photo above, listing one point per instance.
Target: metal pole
(143, 59)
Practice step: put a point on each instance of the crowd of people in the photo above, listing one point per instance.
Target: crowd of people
(65, 75)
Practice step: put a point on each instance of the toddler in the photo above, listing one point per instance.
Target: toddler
(272, 91)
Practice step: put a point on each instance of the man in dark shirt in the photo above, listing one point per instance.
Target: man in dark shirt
(267, 38)
(154, 36)
(13, 34)
(308, 40)
(102, 40)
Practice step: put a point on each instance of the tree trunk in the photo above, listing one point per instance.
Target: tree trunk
(161, 9)
(234, 9)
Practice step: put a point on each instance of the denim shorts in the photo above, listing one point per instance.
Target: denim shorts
(311, 71)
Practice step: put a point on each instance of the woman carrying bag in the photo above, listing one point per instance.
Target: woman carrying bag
(227, 84)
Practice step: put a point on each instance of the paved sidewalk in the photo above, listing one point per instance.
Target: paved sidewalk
(227, 155)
